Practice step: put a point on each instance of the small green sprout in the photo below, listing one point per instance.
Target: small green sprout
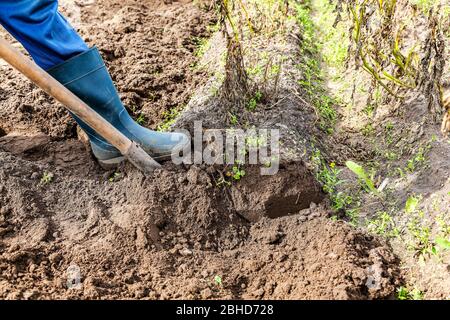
(237, 173)
(141, 119)
(404, 294)
(253, 103)
(218, 280)
(233, 119)
(47, 177)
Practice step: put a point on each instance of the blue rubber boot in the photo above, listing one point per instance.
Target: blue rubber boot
(87, 77)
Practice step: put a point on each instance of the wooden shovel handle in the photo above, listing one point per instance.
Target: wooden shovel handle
(50, 85)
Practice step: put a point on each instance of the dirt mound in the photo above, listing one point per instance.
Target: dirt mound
(169, 238)
(170, 235)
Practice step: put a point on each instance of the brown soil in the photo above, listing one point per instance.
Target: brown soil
(169, 235)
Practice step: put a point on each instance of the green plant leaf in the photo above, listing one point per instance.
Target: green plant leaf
(443, 243)
(361, 173)
(411, 204)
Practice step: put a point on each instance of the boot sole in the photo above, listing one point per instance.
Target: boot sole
(111, 163)
(115, 162)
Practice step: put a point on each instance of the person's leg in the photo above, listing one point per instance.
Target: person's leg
(86, 76)
(57, 48)
(42, 30)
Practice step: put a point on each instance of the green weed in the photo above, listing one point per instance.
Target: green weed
(368, 130)
(233, 119)
(412, 204)
(236, 173)
(114, 176)
(46, 178)
(419, 230)
(253, 103)
(404, 294)
(328, 176)
(444, 226)
(443, 243)
(312, 81)
(362, 175)
(202, 45)
(383, 225)
(140, 119)
(223, 182)
(218, 280)
(169, 118)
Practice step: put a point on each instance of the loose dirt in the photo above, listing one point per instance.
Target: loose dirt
(173, 235)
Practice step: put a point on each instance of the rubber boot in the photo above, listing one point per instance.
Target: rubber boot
(87, 77)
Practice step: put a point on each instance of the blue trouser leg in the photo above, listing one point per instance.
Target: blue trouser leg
(42, 30)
